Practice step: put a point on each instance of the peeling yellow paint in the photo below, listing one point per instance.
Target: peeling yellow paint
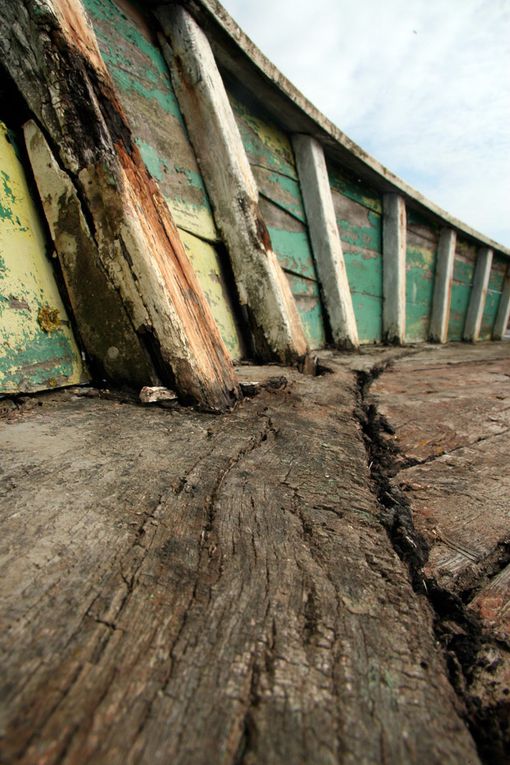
(37, 348)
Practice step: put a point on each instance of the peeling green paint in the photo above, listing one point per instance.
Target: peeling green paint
(359, 220)
(463, 272)
(421, 257)
(273, 165)
(145, 90)
(495, 288)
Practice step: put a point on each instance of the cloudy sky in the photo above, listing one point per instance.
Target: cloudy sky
(423, 85)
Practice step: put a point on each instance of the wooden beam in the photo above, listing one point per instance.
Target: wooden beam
(106, 332)
(394, 269)
(478, 295)
(138, 250)
(443, 286)
(325, 238)
(503, 314)
(261, 283)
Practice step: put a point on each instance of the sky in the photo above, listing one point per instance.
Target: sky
(422, 85)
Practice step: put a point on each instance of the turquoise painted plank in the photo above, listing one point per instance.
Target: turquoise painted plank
(289, 239)
(496, 281)
(355, 189)
(283, 191)
(307, 296)
(360, 227)
(145, 90)
(463, 271)
(368, 312)
(421, 254)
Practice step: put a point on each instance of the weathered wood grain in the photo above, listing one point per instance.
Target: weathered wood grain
(494, 291)
(326, 243)
(440, 314)
(358, 215)
(261, 284)
(52, 55)
(38, 349)
(186, 588)
(463, 271)
(478, 295)
(503, 315)
(394, 269)
(421, 254)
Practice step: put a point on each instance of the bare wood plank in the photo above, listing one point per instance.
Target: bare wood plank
(503, 315)
(241, 604)
(325, 238)
(261, 283)
(394, 269)
(440, 316)
(69, 90)
(478, 295)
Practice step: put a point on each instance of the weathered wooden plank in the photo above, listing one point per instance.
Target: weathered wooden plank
(262, 286)
(327, 247)
(463, 270)
(67, 86)
(290, 240)
(240, 602)
(394, 269)
(503, 315)
(145, 91)
(37, 346)
(306, 293)
(494, 291)
(421, 253)
(280, 189)
(361, 234)
(440, 314)
(273, 164)
(355, 189)
(266, 145)
(210, 272)
(106, 332)
(478, 295)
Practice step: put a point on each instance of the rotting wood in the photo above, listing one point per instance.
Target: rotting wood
(221, 596)
(106, 331)
(394, 269)
(478, 295)
(440, 315)
(503, 315)
(262, 286)
(50, 52)
(327, 247)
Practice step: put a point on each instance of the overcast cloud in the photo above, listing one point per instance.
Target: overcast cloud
(423, 85)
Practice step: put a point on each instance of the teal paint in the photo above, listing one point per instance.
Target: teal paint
(359, 220)
(45, 360)
(496, 283)
(293, 251)
(421, 258)
(272, 161)
(143, 83)
(365, 237)
(463, 271)
(355, 189)
(282, 190)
